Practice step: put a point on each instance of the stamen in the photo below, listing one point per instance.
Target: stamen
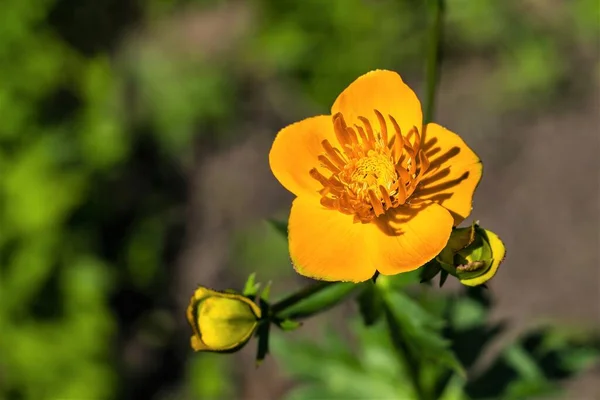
(334, 154)
(383, 125)
(424, 161)
(404, 176)
(417, 145)
(411, 163)
(319, 177)
(402, 196)
(352, 135)
(325, 191)
(370, 173)
(363, 137)
(330, 203)
(399, 143)
(376, 203)
(386, 197)
(370, 135)
(328, 164)
(339, 127)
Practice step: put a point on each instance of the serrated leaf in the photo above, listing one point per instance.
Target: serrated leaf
(336, 370)
(419, 332)
(411, 312)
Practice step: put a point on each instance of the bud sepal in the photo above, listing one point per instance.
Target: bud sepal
(473, 255)
(221, 321)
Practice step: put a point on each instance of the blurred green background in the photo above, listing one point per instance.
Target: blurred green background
(133, 166)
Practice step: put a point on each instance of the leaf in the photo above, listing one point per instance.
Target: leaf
(443, 276)
(266, 292)
(251, 287)
(324, 299)
(370, 304)
(288, 324)
(399, 281)
(523, 363)
(454, 390)
(280, 226)
(330, 368)
(418, 332)
(430, 270)
(530, 367)
(467, 313)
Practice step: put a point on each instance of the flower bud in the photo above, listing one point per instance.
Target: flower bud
(473, 255)
(221, 322)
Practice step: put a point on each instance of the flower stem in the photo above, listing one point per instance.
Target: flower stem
(436, 9)
(434, 57)
(299, 296)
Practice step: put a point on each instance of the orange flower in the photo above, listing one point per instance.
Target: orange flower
(376, 190)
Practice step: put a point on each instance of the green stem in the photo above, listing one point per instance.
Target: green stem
(433, 56)
(299, 296)
(436, 10)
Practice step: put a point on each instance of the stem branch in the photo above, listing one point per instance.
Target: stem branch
(299, 296)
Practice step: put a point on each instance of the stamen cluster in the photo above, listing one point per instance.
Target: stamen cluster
(373, 172)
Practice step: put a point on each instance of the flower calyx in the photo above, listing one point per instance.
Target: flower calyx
(221, 321)
(473, 255)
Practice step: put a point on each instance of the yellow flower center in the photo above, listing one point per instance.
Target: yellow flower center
(372, 173)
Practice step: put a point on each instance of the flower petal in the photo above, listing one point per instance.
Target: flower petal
(454, 172)
(406, 238)
(326, 244)
(383, 91)
(295, 150)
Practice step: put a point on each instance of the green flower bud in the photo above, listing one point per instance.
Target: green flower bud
(473, 255)
(221, 322)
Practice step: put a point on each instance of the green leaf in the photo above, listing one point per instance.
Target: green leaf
(418, 332)
(467, 314)
(454, 390)
(411, 313)
(251, 287)
(430, 270)
(330, 368)
(280, 226)
(288, 324)
(206, 374)
(266, 292)
(399, 281)
(324, 299)
(370, 304)
(523, 363)
(443, 276)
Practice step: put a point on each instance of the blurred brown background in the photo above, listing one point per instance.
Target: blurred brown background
(134, 166)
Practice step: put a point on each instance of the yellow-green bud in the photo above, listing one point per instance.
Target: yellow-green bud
(221, 321)
(473, 255)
